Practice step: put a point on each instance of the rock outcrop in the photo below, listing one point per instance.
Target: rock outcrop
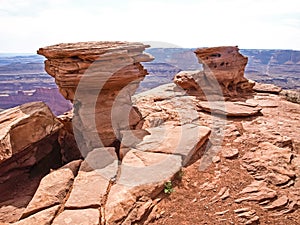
(28, 150)
(222, 66)
(235, 170)
(99, 78)
(28, 133)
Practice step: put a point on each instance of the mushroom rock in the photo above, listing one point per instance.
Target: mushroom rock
(222, 66)
(227, 65)
(99, 78)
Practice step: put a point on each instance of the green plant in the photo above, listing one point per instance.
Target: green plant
(168, 187)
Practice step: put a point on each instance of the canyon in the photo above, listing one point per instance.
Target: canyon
(209, 147)
(23, 78)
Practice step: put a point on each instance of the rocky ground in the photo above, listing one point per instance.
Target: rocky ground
(253, 178)
(176, 154)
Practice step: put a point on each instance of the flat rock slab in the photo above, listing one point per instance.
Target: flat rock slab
(24, 125)
(44, 217)
(53, 188)
(234, 109)
(268, 88)
(93, 178)
(88, 190)
(139, 167)
(230, 153)
(180, 140)
(103, 160)
(264, 103)
(142, 176)
(78, 216)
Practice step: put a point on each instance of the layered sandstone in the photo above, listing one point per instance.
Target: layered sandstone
(223, 73)
(21, 130)
(99, 78)
(230, 163)
(28, 150)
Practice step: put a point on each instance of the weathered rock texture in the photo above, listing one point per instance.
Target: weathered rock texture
(100, 78)
(92, 75)
(222, 66)
(255, 175)
(21, 130)
(227, 65)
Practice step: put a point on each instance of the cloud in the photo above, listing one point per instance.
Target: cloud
(29, 24)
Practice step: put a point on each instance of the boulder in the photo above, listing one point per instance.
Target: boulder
(28, 134)
(23, 126)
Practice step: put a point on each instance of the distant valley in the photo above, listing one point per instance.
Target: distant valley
(23, 78)
(279, 67)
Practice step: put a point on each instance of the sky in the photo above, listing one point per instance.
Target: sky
(27, 25)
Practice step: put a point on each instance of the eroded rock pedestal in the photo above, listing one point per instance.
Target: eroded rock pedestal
(222, 66)
(99, 78)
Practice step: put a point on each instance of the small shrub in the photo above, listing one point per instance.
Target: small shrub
(168, 187)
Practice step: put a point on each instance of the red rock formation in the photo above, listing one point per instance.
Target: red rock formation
(21, 130)
(99, 78)
(222, 66)
(227, 65)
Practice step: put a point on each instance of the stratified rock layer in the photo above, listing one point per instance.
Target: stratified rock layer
(21, 130)
(223, 73)
(99, 78)
(17, 123)
(227, 65)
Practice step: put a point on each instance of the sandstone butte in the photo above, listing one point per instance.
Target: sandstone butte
(207, 149)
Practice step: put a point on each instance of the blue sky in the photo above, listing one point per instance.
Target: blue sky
(27, 25)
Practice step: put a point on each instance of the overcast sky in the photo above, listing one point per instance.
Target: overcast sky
(26, 25)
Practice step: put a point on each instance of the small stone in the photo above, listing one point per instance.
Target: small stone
(230, 153)
(216, 159)
(252, 220)
(222, 213)
(247, 214)
(225, 169)
(225, 195)
(265, 202)
(241, 210)
(282, 201)
(194, 200)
